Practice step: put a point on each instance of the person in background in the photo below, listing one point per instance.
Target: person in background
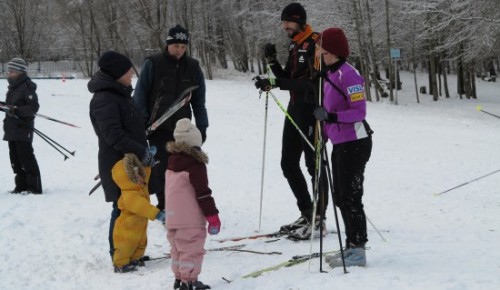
(117, 123)
(298, 78)
(21, 106)
(343, 115)
(189, 205)
(163, 77)
(130, 231)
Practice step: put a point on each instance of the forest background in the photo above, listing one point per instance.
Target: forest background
(440, 37)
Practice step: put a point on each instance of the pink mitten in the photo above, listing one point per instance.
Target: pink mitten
(213, 224)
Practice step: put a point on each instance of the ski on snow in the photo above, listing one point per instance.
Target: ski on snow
(295, 260)
(252, 237)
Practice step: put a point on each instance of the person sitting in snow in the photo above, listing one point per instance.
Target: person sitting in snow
(129, 234)
(188, 205)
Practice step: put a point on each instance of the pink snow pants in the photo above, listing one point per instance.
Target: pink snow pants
(187, 250)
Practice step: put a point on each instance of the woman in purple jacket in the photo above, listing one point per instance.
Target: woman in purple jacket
(343, 115)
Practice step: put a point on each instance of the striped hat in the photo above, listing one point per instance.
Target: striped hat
(17, 64)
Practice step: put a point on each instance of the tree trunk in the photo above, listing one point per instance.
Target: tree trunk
(473, 80)
(362, 48)
(467, 81)
(432, 76)
(445, 75)
(388, 30)
(371, 55)
(413, 58)
(219, 34)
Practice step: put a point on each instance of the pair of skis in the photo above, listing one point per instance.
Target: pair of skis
(181, 100)
(295, 260)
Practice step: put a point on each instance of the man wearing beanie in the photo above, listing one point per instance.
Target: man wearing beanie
(189, 205)
(343, 115)
(20, 107)
(297, 77)
(117, 123)
(163, 77)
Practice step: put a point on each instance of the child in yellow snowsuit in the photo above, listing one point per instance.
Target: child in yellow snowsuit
(129, 235)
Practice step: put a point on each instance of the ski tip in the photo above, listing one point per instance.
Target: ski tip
(479, 108)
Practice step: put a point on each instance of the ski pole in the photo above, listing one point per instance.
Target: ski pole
(55, 143)
(95, 187)
(317, 178)
(479, 108)
(57, 121)
(465, 183)
(378, 232)
(291, 120)
(6, 107)
(263, 161)
(330, 180)
(53, 146)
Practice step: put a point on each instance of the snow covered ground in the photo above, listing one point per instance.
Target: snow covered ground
(59, 240)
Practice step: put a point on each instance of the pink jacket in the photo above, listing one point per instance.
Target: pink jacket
(188, 199)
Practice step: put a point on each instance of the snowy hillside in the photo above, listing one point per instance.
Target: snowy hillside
(59, 240)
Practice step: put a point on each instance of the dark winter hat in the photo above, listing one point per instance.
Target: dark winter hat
(114, 64)
(294, 12)
(186, 132)
(334, 41)
(177, 34)
(17, 64)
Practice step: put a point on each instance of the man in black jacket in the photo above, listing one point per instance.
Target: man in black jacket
(21, 105)
(163, 77)
(117, 123)
(297, 77)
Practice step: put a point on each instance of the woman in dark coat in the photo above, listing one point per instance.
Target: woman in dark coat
(117, 123)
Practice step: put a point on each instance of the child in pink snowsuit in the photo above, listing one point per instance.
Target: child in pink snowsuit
(188, 205)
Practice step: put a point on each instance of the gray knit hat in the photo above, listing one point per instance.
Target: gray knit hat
(17, 64)
(186, 132)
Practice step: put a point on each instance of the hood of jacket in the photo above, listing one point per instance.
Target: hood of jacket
(183, 149)
(103, 82)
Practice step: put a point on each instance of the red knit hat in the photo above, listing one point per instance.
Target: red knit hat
(334, 41)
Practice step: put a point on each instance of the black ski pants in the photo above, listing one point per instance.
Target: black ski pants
(157, 179)
(25, 166)
(293, 145)
(348, 165)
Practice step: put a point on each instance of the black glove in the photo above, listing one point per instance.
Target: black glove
(318, 75)
(11, 112)
(203, 135)
(265, 84)
(322, 115)
(270, 52)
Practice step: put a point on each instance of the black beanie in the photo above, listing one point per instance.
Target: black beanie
(294, 12)
(177, 34)
(114, 64)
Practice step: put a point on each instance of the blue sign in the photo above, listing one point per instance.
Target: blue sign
(395, 53)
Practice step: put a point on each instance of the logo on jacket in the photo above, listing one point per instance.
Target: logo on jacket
(354, 89)
(30, 97)
(301, 58)
(357, 97)
(305, 45)
(356, 93)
